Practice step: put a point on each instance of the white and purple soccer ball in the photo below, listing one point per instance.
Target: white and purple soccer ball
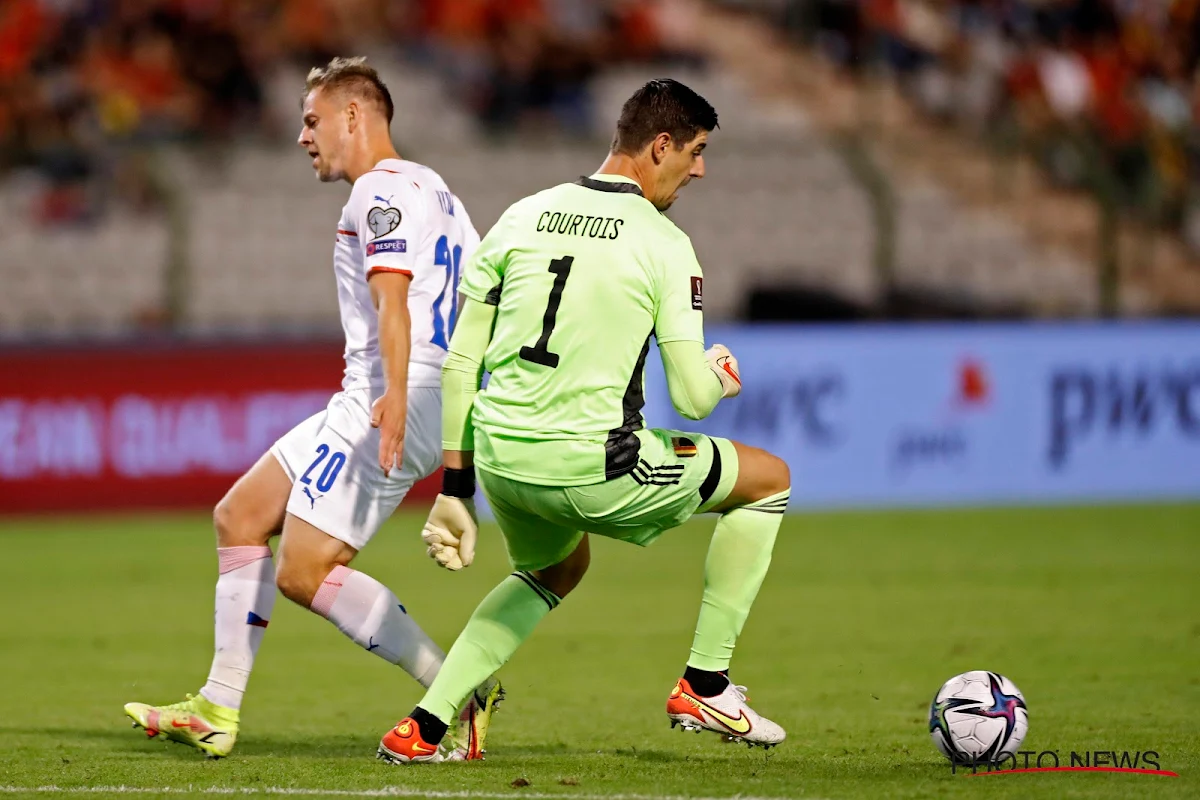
(978, 717)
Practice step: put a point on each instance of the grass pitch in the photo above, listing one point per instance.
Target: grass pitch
(1094, 613)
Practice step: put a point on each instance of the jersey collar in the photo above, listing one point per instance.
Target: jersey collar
(610, 183)
(388, 165)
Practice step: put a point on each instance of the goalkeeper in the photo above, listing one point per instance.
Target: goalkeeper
(561, 300)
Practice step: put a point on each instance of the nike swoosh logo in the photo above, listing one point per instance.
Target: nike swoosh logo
(729, 371)
(739, 725)
(420, 750)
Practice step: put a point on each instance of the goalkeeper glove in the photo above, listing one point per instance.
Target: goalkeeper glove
(450, 532)
(722, 362)
(451, 528)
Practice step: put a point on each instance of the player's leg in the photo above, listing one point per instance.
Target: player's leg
(501, 622)
(679, 474)
(245, 519)
(737, 562)
(551, 559)
(761, 476)
(562, 578)
(339, 501)
(314, 572)
(738, 557)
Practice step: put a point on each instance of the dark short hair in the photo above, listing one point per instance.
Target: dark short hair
(352, 76)
(662, 106)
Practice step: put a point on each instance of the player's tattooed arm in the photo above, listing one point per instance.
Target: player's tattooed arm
(389, 291)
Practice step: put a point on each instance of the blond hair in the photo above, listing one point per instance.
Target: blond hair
(351, 76)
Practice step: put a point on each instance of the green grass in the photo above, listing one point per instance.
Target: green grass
(1093, 612)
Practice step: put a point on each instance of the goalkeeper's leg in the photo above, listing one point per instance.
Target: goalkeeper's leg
(505, 619)
(738, 557)
(314, 572)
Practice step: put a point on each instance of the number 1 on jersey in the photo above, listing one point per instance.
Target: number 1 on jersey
(540, 352)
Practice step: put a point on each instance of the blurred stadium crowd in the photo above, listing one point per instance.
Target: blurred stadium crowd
(143, 130)
(84, 83)
(1103, 92)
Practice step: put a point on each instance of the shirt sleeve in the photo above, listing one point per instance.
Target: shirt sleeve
(694, 388)
(387, 213)
(463, 373)
(678, 314)
(484, 273)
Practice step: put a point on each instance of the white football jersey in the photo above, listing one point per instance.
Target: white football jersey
(400, 218)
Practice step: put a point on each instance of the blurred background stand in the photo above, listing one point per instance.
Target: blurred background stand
(165, 250)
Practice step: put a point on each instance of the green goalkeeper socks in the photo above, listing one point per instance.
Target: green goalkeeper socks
(737, 562)
(499, 625)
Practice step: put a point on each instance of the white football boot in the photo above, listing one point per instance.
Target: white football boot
(727, 713)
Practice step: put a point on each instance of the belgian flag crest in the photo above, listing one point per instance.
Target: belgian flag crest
(684, 447)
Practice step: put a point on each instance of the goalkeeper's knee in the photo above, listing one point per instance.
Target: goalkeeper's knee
(771, 478)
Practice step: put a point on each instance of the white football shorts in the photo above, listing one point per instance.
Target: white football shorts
(333, 460)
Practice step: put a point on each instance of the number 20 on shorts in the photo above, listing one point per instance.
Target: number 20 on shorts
(332, 467)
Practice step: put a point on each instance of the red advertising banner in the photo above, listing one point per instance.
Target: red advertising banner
(154, 426)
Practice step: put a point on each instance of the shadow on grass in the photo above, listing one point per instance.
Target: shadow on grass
(83, 745)
(125, 740)
(561, 749)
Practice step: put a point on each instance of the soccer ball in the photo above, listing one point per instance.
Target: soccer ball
(978, 717)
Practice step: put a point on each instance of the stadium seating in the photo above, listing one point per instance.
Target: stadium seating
(779, 207)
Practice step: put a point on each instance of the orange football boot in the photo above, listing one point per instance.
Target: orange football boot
(403, 745)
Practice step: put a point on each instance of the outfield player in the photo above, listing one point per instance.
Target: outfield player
(330, 483)
(561, 301)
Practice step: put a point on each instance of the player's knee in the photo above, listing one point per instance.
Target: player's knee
(771, 477)
(563, 577)
(298, 581)
(236, 527)
(778, 477)
(225, 522)
(295, 584)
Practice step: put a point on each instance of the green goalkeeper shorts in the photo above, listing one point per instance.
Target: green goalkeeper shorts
(678, 474)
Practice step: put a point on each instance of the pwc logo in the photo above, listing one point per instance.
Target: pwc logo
(1121, 405)
(974, 385)
(807, 407)
(945, 441)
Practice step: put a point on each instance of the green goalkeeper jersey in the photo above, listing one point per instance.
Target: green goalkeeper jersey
(582, 276)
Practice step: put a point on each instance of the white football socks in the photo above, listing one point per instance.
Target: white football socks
(245, 597)
(367, 611)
